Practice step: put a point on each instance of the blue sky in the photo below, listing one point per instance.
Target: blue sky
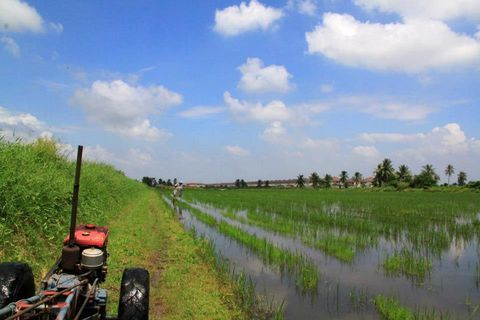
(219, 90)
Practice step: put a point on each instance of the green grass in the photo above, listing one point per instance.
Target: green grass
(184, 281)
(36, 184)
(343, 223)
(305, 272)
(409, 264)
(391, 309)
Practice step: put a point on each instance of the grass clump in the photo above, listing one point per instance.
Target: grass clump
(409, 264)
(390, 309)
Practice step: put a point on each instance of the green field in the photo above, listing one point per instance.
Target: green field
(407, 235)
(36, 183)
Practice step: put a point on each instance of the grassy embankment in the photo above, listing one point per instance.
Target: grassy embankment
(343, 223)
(35, 195)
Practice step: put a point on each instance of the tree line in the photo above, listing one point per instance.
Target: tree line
(153, 182)
(385, 175)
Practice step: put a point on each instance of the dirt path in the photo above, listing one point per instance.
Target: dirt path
(183, 284)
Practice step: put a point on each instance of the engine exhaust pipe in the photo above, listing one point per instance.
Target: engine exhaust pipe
(76, 189)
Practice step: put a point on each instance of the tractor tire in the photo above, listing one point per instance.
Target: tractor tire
(16, 282)
(134, 295)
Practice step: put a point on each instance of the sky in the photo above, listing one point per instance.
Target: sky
(212, 91)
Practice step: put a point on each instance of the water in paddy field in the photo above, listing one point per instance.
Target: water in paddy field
(346, 290)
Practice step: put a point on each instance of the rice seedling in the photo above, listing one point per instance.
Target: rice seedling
(305, 272)
(409, 264)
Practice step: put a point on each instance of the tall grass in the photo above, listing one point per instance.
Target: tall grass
(36, 183)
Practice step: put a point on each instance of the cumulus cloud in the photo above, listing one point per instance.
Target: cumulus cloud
(245, 111)
(21, 125)
(427, 9)
(276, 133)
(124, 109)
(18, 16)
(413, 46)
(237, 151)
(259, 79)
(201, 112)
(449, 139)
(10, 46)
(235, 20)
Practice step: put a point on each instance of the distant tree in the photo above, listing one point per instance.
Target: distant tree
(449, 171)
(149, 181)
(315, 180)
(404, 174)
(259, 183)
(237, 183)
(426, 178)
(344, 178)
(175, 181)
(267, 184)
(384, 172)
(169, 182)
(300, 181)
(160, 181)
(328, 180)
(243, 184)
(357, 178)
(462, 178)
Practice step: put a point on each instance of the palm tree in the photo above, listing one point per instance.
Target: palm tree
(449, 171)
(344, 178)
(314, 179)
(328, 180)
(300, 181)
(357, 177)
(384, 172)
(429, 170)
(403, 173)
(462, 178)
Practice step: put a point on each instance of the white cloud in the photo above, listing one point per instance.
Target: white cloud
(386, 108)
(427, 9)
(201, 112)
(10, 46)
(319, 143)
(276, 133)
(237, 151)
(124, 109)
(18, 16)
(449, 139)
(235, 20)
(412, 47)
(273, 111)
(366, 151)
(308, 7)
(24, 126)
(390, 137)
(258, 79)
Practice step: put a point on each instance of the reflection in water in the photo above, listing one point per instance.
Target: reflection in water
(346, 290)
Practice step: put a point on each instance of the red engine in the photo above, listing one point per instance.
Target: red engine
(90, 235)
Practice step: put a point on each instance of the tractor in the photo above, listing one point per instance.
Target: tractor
(71, 289)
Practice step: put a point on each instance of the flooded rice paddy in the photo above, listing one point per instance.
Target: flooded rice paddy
(330, 258)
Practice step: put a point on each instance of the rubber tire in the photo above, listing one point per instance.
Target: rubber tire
(134, 294)
(16, 282)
